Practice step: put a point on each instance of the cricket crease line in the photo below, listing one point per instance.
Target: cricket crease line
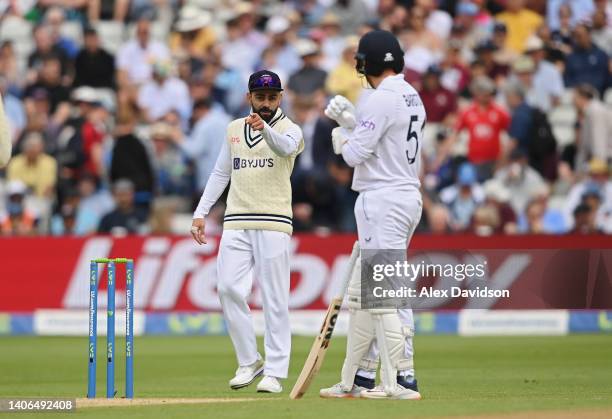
(102, 402)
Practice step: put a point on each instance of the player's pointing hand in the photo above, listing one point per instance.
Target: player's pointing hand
(255, 121)
(197, 230)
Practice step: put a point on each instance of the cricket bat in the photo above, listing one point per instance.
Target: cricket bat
(321, 343)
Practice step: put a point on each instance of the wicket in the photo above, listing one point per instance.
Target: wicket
(110, 327)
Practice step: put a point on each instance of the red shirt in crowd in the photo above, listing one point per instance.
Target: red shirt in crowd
(92, 136)
(439, 103)
(485, 125)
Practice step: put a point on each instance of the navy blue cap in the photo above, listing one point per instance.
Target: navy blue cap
(264, 80)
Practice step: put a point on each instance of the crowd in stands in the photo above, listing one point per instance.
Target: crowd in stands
(118, 109)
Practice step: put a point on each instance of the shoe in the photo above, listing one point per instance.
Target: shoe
(247, 374)
(409, 384)
(398, 393)
(337, 392)
(269, 384)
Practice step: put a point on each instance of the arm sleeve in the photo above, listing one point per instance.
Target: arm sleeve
(6, 144)
(371, 126)
(284, 144)
(218, 180)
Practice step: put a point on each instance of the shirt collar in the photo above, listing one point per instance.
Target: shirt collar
(390, 80)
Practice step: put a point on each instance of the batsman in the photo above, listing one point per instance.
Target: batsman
(258, 157)
(381, 140)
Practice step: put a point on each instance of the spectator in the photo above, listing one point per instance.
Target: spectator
(33, 167)
(343, 79)
(352, 13)
(49, 80)
(44, 48)
(603, 216)
(441, 104)
(116, 10)
(562, 36)
(584, 220)
(171, 169)
(547, 79)
(236, 51)
(503, 54)
(436, 20)
(54, 18)
(497, 196)
(485, 121)
(485, 53)
(520, 179)
(164, 93)
(134, 58)
(587, 64)
(193, 33)
(10, 68)
(94, 132)
(420, 42)
(595, 135)
(332, 41)
(93, 65)
(455, 75)
(531, 132)
(202, 146)
(602, 32)
(64, 223)
(438, 219)
(579, 11)
(130, 161)
(287, 58)
(93, 203)
(18, 219)
(540, 219)
(305, 114)
(126, 218)
(310, 78)
(486, 220)
(597, 180)
(395, 19)
(13, 109)
(521, 23)
(463, 197)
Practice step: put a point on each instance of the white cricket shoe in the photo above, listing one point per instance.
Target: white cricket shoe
(247, 374)
(337, 392)
(398, 393)
(269, 384)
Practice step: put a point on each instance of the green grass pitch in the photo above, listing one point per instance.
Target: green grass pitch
(458, 376)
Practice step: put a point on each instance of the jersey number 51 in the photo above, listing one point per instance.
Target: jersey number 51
(413, 135)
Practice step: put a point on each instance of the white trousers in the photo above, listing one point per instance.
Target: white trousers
(267, 253)
(386, 219)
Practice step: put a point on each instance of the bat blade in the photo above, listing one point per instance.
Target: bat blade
(318, 350)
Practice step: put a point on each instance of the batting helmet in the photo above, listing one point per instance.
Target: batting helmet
(377, 51)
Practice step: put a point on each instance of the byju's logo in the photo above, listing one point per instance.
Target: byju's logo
(252, 163)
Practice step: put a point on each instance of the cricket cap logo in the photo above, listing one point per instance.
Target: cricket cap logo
(266, 80)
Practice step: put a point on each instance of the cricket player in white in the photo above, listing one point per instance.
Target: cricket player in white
(258, 156)
(382, 141)
(6, 143)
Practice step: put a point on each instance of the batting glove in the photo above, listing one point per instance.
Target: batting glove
(341, 110)
(338, 139)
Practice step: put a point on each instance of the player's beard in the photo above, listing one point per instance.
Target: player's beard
(266, 113)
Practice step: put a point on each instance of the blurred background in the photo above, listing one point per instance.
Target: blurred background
(118, 109)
